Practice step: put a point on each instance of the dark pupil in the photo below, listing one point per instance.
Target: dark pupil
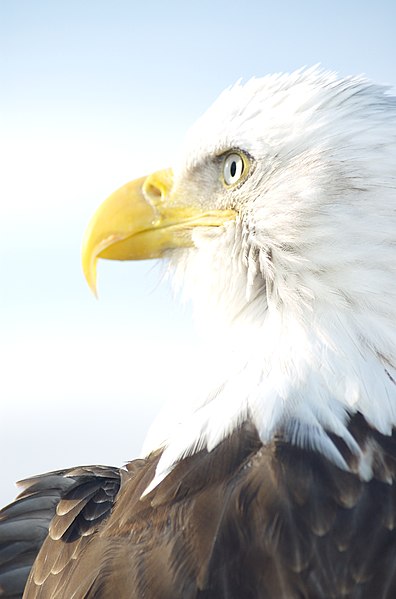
(233, 168)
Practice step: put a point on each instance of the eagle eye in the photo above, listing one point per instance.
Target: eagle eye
(233, 168)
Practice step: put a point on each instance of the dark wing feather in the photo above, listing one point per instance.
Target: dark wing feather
(245, 520)
(24, 526)
(66, 501)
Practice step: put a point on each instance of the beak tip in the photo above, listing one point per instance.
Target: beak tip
(93, 288)
(94, 291)
(89, 270)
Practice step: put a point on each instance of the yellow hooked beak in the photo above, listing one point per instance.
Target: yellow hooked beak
(142, 220)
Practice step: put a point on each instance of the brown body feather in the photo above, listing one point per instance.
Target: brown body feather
(244, 521)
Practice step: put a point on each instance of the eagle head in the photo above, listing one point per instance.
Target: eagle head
(278, 220)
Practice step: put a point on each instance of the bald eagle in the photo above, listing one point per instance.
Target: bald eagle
(279, 219)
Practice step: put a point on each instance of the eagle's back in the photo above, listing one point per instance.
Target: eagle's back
(244, 520)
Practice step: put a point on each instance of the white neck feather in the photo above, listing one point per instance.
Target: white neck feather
(290, 360)
(299, 296)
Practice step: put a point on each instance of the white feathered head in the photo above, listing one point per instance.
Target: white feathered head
(280, 221)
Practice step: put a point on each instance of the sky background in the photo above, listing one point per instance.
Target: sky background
(92, 94)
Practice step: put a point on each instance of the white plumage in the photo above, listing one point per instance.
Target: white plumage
(304, 311)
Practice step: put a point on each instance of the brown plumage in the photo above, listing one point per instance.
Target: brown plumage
(242, 521)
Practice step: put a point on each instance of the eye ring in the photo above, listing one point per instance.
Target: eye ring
(234, 167)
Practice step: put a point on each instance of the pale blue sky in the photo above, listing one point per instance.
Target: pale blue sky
(94, 93)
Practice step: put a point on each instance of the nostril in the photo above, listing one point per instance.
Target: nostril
(152, 191)
(158, 185)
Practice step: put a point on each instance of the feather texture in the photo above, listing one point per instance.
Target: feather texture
(297, 297)
(245, 520)
(67, 505)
